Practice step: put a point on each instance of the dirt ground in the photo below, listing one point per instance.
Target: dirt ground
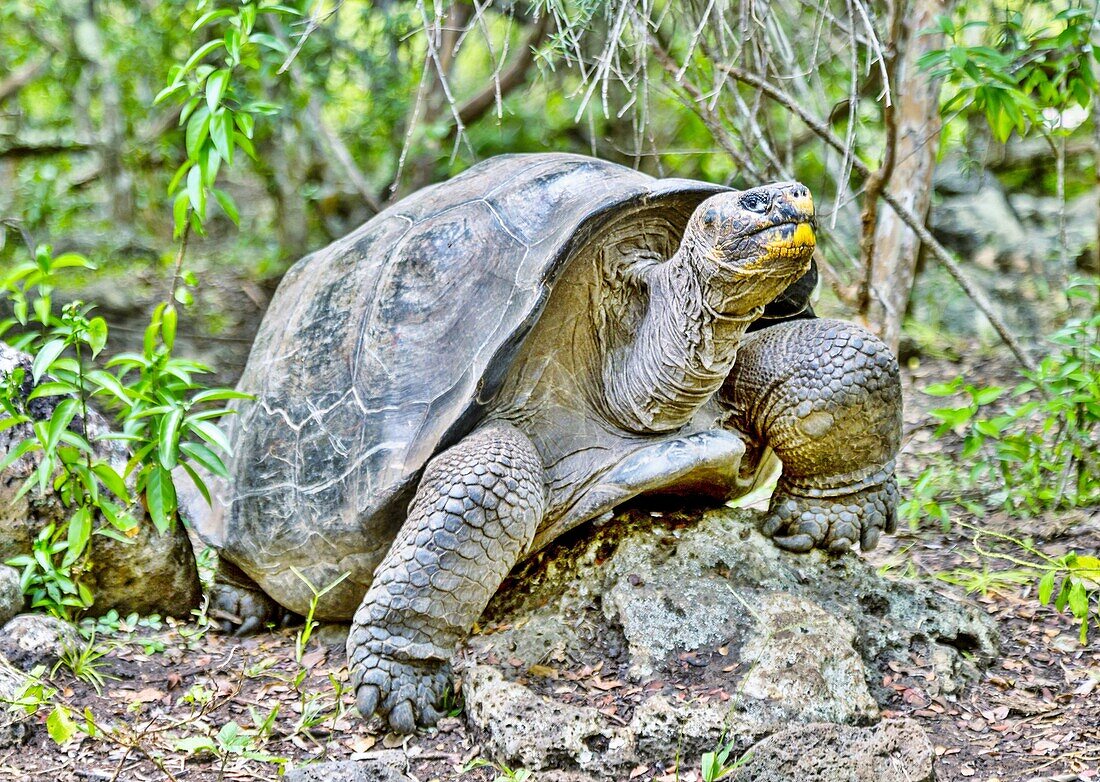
(181, 703)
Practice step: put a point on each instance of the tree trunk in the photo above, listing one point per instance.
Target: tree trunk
(894, 259)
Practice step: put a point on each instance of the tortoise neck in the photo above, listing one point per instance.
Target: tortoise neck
(681, 351)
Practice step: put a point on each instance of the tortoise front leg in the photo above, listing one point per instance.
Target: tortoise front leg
(825, 395)
(475, 512)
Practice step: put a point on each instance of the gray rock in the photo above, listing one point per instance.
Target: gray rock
(519, 727)
(37, 639)
(348, 771)
(892, 751)
(15, 723)
(11, 593)
(803, 666)
(152, 573)
(757, 639)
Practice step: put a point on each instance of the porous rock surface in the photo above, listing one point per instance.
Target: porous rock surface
(11, 593)
(152, 573)
(721, 636)
(379, 769)
(30, 640)
(891, 751)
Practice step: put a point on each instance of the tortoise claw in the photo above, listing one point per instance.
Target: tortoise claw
(834, 524)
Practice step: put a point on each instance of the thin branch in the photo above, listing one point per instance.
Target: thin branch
(509, 79)
(21, 77)
(329, 137)
(21, 150)
(877, 181)
(915, 224)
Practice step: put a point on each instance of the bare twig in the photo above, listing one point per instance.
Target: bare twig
(22, 76)
(509, 78)
(877, 181)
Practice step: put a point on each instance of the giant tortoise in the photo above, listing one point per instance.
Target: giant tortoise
(499, 358)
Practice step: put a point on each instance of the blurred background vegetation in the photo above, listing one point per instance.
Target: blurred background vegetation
(352, 104)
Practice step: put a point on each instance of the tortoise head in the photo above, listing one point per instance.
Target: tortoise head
(749, 245)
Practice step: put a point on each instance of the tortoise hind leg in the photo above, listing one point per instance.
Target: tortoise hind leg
(475, 512)
(825, 395)
(238, 600)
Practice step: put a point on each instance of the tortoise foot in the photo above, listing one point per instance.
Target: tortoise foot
(240, 605)
(407, 694)
(835, 523)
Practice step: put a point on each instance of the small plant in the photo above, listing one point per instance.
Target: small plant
(715, 765)
(1072, 580)
(1040, 453)
(504, 773)
(231, 741)
(86, 662)
(167, 417)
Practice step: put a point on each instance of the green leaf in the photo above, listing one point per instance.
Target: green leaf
(1078, 600)
(198, 55)
(215, 87)
(211, 433)
(168, 92)
(168, 447)
(60, 725)
(983, 396)
(196, 479)
(1046, 587)
(225, 201)
(205, 457)
(80, 531)
(62, 416)
(196, 193)
(221, 132)
(18, 452)
(45, 358)
(97, 335)
(52, 389)
(942, 389)
(198, 127)
(210, 16)
(112, 480)
(179, 214)
(168, 326)
(160, 498)
(245, 122)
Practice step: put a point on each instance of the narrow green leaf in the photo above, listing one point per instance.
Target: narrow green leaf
(168, 326)
(221, 133)
(60, 725)
(160, 498)
(198, 55)
(225, 201)
(97, 335)
(80, 532)
(168, 445)
(45, 358)
(1046, 587)
(62, 416)
(112, 480)
(196, 193)
(215, 87)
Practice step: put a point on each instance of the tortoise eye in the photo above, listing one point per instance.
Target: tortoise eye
(755, 202)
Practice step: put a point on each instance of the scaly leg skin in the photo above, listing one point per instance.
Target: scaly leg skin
(825, 395)
(238, 600)
(475, 512)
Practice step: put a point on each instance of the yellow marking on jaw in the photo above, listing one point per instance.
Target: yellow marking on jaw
(804, 204)
(801, 239)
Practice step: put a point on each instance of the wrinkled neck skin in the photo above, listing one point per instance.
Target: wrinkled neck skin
(681, 352)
